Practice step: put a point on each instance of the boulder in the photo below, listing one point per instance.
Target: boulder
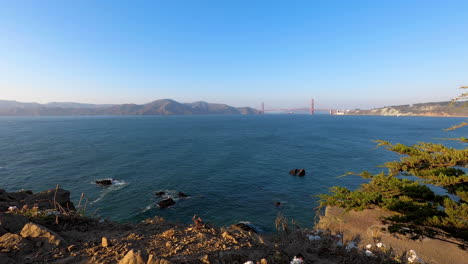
(293, 172)
(45, 199)
(166, 203)
(104, 182)
(17, 196)
(160, 193)
(301, 172)
(38, 232)
(134, 257)
(12, 242)
(153, 260)
(11, 223)
(183, 195)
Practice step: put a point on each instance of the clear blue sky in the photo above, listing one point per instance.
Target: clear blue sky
(345, 54)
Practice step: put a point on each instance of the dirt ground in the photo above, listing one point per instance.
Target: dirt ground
(366, 227)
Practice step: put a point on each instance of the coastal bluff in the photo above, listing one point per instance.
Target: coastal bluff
(47, 228)
(436, 109)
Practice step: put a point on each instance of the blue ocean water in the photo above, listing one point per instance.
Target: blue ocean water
(233, 167)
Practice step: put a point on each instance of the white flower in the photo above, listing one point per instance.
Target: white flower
(380, 245)
(338, 236)
(369, 246)
(297, 261)
(12, 208)
(369, 253)
(350, 246)
(314, 238)
(249, 262)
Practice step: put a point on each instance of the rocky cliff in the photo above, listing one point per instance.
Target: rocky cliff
(425, 109)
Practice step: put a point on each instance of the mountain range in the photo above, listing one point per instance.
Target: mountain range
(158, 107)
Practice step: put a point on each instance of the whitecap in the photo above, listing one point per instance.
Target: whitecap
(115, 186)
(147, 208)
(173, 194)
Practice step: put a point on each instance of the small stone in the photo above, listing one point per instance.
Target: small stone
(104, 242)
(205, 259)
(169, 233)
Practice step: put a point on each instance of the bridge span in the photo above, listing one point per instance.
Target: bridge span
(311, 109)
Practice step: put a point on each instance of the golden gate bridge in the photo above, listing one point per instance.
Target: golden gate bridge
(311, 109)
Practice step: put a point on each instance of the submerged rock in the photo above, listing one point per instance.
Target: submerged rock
(181, 194)
(297, 172)
(160, 193)
(166, 203)
(244, 227)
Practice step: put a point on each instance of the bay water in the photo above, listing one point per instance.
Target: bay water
(234, 168)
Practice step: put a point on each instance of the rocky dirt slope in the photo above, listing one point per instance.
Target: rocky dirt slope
(44, 231)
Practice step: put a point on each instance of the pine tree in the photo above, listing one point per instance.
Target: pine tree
(418, 210)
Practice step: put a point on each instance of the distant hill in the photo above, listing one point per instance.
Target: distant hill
(158, 107)
(424, 109)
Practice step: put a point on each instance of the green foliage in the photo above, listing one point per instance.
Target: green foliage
(418, 211)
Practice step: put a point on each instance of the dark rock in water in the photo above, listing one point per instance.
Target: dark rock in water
(181, 194)
(244, 227)
(293, 172)
(104, 182)
(301, 172)
(166, 203)
(277, 203)
(160, 193)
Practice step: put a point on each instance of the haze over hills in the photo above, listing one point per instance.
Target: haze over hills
(158, 107)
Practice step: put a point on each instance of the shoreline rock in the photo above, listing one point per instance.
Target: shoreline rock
(42, 200)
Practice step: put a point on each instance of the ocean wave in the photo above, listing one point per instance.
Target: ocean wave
(115, 186)
(173, 194)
